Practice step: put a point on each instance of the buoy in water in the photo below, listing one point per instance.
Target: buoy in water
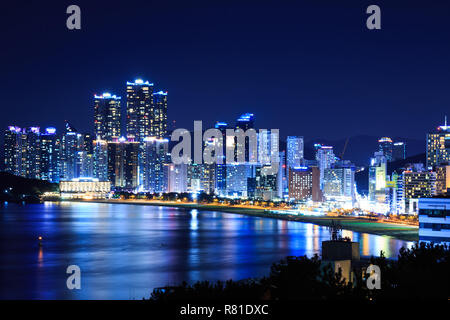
(40, 240)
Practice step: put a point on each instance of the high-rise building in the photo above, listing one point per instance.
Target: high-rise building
(139, 109)
(106, 117)
(177, 177)
(155, 165)
(442, 180)
(72, 147)
(158, 117)
(377, 177)
(295, 148)
(123, 164)
(221, 168)
(300, 183)
(31, 149)
(385, 145)
(417, 184)
(438, 147)
(100, 155)
(245, 121)
(339, 182)
(50, 155)
(237, 179)
(13, 150)
(86, 156)
(399, 151)
(325, 158)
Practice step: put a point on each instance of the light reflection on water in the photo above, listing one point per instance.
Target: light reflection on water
(126, 250)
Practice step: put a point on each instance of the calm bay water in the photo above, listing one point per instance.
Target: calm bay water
(124, 251)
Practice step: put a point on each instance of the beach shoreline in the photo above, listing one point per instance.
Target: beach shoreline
(394, 230)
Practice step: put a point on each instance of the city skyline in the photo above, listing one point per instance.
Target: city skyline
(284, 68)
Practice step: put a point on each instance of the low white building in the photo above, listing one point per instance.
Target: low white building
(434, 219)
(84, 188)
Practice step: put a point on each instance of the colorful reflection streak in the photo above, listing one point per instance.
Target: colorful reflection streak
(124, 251)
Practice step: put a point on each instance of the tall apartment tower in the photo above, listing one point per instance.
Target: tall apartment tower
(13, 150)
(438, 146)
(294, 151)
(158, 116)
(50, 155)
(139, 109)
(106, 117)
(386, 146)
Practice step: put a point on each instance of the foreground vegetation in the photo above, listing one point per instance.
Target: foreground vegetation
(419, 273)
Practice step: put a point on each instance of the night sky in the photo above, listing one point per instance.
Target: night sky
(309, 68)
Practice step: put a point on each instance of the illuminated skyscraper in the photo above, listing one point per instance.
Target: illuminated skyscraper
(106, 117)
(100, 155)
(386, 146)
(31, 149)
(325, 158)
(377, 177)
(399, 151)
(245, 121)
(221, 169)
(123, 164)
(50, 156)
(13, 150)
(158, 116)
(155, 165)
(417, 184)
(438, 146)
(294, 151)
(139, 109)
(339, 182)
(177, 177)
(442, 180)
(72, 147)
(300, 183)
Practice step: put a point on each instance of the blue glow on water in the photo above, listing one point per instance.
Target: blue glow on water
(124, 251)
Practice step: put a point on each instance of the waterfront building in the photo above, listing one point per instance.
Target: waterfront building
(123, 166)
(385, 145)
(71, 146)
(282, 177)
(262, 183)
(300, 183)
(106, 117)
(438, 146)
(155, 165)
(221, 169)
(377, 177)
(434, 219)
(100, 155)
(200, 178)
(237, 179)
(139, 109)
(294, 148)
(339, 182)
(325, 158)
(13, 150)
(50, 155)
(84, 188)
(394, 200)
(177, 177)
(158, 116)
(31, 162)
